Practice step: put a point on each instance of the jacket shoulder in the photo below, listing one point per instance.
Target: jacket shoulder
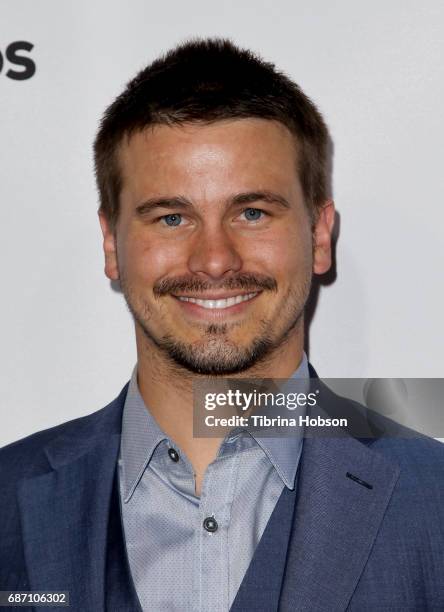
(417, 453)
(25, 456)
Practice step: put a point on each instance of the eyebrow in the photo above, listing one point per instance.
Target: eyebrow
(181, 203)
(153, 203)
(264, 196)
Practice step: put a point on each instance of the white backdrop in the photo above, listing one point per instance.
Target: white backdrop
(376, 71)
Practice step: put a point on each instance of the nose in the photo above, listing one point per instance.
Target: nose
(214, 254)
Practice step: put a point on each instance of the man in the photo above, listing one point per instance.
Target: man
(212, 171)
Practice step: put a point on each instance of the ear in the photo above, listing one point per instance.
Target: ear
(109, 247)
(322, 233)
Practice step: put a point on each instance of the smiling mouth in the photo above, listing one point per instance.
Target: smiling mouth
(220, 303)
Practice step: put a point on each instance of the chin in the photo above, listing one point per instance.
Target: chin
(216, 357)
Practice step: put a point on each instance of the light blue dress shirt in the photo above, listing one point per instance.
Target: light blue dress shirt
(190, 554)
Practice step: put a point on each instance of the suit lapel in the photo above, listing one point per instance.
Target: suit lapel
(319, 537)
(336, 522)
(64, 512)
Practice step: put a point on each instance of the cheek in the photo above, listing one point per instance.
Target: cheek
(149, 259)
(300, 244)
(285, 257)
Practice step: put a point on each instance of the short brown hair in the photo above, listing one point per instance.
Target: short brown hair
(206, 81)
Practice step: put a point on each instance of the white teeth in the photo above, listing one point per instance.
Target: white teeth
(225, 303)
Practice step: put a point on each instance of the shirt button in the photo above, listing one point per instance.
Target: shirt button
(174, 455)
(210, 524)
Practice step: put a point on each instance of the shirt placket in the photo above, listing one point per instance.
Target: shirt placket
(211, 559)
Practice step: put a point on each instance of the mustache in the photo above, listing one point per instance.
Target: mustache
(246, 281)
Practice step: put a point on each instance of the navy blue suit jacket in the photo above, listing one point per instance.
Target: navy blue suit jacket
(332, 545)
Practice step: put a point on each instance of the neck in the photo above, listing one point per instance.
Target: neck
(167, 389)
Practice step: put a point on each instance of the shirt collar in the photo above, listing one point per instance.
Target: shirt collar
(285, 451)
(141, 435)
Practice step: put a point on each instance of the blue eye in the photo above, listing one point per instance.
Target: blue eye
(253, 214)
(173, 219)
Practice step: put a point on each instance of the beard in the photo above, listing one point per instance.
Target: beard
(215, 354)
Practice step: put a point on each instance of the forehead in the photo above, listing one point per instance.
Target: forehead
(238, 153)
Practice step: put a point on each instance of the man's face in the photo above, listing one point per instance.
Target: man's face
(214, 243)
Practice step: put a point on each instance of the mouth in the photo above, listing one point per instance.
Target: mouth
(219, 303)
